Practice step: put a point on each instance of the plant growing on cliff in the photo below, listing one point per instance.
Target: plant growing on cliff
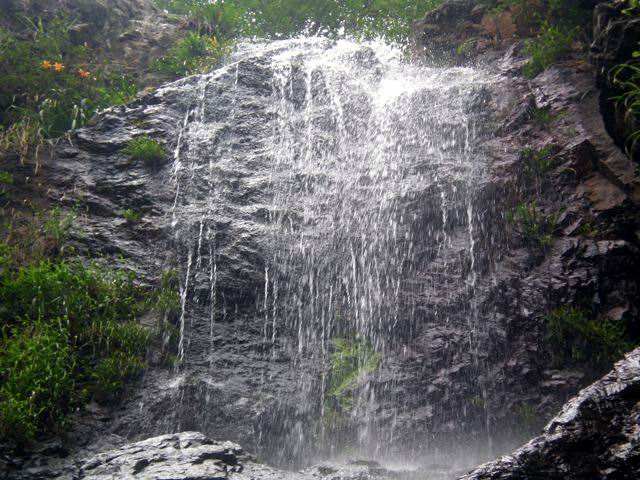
(69, 331)
(551, 44)
(145, 149)
(50, 85)
(537, 162)
(535, 228)
(195, 53)
(626, 78)
(285, 18)
(131, 216)
(166, 302)
(350, 360)
(574, 337)
(632, 6)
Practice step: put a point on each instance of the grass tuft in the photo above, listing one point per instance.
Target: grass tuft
(145, 149)
(576, 338)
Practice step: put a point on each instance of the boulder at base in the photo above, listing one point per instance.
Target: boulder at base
(595, 436)
(180, 456)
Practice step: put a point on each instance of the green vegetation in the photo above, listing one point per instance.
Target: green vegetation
(68, 327)
(131, 216)
(350, 361)
(166, 302)
(551, 44)
(50, 85)
(193, 54)
(632, 7)
(535, 229)
(6, 179)
(588, 229)
(285, 18)
(537, 162)
(626, 78)
(559, 23)
(144, 149)
(218, 24)
(543, 117)
(68, 332)
(54, 83)
(576, 338)
(33, 237)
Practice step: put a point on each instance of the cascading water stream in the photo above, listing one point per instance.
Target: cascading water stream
(325, 213)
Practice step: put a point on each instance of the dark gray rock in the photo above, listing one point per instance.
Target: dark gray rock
(596, 435)
(186, 455)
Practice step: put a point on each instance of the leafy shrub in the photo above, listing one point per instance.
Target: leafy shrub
(145, 149)
(50, 85)
(221, 18)
(350, 360)
(167, 297)
(552, 43)
(575, 338)
(626, 78)
(67, 327)
(632, 6)
(286, 18)
(33, 236)
(193, 54)
(111, 373)
(6, 178)
(535, 229)
(57, 225)
(37, 386)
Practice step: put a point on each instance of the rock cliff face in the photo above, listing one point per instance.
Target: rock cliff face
(596, 435)
(592, 190)
(508, 389)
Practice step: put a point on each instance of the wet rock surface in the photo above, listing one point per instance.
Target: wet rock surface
(592, 189)
(596, 435)
(431, 385)
(194, 456)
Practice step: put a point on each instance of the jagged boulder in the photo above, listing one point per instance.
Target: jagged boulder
(596, 435)
(176, 456)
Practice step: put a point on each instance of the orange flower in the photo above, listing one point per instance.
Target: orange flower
(58, 67)
(83, 73)
(46, 64)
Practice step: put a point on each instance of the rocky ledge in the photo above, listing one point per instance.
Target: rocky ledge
(596, 435)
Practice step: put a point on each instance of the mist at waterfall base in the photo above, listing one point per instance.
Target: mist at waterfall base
(326, 216)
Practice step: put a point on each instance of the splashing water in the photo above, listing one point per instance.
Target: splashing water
(325, 215)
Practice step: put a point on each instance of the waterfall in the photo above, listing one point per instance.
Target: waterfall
(326, 214)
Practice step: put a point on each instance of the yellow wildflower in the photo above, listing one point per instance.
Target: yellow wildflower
(58, 67)
(46, 64)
